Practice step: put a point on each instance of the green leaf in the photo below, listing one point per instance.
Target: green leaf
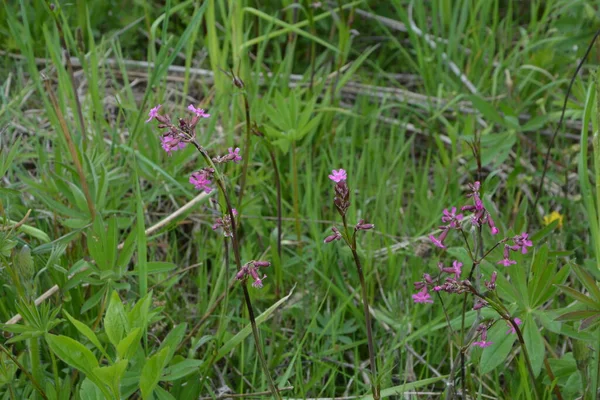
(128, 345)
(157, 267)
(111, 376)
(87, 332)
(181, 369)
(497, 353)
(173, 339)
(488, 111)
(139, 315)
(72, 352)
(576, 315)
(114, 321)
(152, 371)
(582, 298)
(89, 391)
(162, 394)
(241, 335)
(407, 387)
(94, 300)
(534, 342)
(588, 281)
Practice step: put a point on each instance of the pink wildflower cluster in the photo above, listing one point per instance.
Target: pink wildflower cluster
(483, 343)
(520, 243)
(183, 132)
(450, 284)
(201, 179)
(251, 269)
(225, 223)
(480, 217)
(233, 155)
(341, 201)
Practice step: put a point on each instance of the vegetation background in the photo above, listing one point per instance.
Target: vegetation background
(392, 91)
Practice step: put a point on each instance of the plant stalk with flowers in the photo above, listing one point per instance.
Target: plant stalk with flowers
(176, 138)
(449, 279)
(342, 203)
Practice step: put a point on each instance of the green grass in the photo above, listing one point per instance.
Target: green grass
(403, 136)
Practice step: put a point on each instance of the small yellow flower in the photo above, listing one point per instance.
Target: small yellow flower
(554, 215)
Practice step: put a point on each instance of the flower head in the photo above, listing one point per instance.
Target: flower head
(511, 327)
(451, 218)
(235, 154)
(362, 226)
(153, 113)
(483, 344)
(422, 297)
(198, 111)
(338, 176)
(439, 242)
(336, 235)
(171, 143)
(522, 242)
(201, 181)
(554, 216)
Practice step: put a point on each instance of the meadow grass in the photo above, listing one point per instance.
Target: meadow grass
(393, 92)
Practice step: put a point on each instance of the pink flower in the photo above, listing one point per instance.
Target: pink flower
(422, 297)
(506, 262)
(198, 111)
(170, 143)
(235, 154)
(201, 181)
(439, 242)
(522, 242)
(483, 344)
(338, 176)
(336, 235)
(452, 218)
(153, 113)
(491, 285)
(491, 224)
(511, 327)
(258, 282)
(479, 304)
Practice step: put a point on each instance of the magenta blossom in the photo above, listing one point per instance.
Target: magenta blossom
(522, 242)
(336, 235)
(422, 297)
(439, 242)
(200, 181)
(483, 344)
(506, 261)
(235, 154)
(338, 176)
(153, 113)
(198, 111)
(170, 143)
(451, 218)
(511, 327)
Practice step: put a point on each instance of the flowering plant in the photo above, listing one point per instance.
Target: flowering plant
(452, 280)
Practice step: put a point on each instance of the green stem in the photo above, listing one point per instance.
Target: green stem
(351, 242)
(238, 260)
(34, 357)
(296, 192)
(55, 373)
(526, 356)
(35, 383)
(363, 286)
(246, 149)
(277, 179)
